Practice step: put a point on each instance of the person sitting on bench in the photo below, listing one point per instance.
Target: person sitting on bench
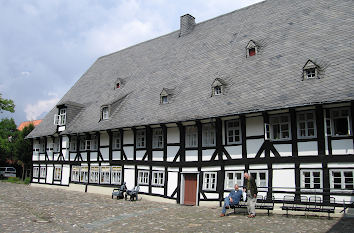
(233, 199)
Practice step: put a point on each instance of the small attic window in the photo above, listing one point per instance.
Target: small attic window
(217, 87)
(217, 90)
(118, 85)
(164, 99)
(104, 113)
(251, 52)
(251, 49)
(165, 95)
(310, 70)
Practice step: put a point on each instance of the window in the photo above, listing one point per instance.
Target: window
(261, 178)
(143, 177)
(310, 73)
(36, 148)
(105, 113)
(251, 52)
(233, 131)
(208, 131)
(306, 124)
(94, 174)
(209, 181)
(56, 145)
(217, 90)
(105, 175)
(157, 138)
(50, 147)
(118, 85)
(310, 70)
(232, 178)
(41, 146)
(140, 138)
(191, 136)
(280, 127)
(251, 49)
(43, 172)
(57, 173)
(217, 87)
(165, 95)
(341, 122)
(158, 178)
(311, 179)
(60, 119)
(91, 144)
(94, 142)
(82, 143)
(116, 175)
(84, 174)
(164, 99)
(75, 173)
(342, 179)
(35, 172)
(116, 141)
(73, 143)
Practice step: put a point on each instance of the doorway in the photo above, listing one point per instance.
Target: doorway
(190, 188)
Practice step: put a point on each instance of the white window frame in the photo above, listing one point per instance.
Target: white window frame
(94, 142)
(75, 173)
(116, 175)
(50, 147)
(35, 172)
(342, 177)
(208, 135)
(143, 177)
(105, 113)
(84, 175)
(94, 174)
(164, 99)
(157, 138)
(56, 145)
(140, 138)
(82, 143)
(259, 181)
(105, 174)
(116, 141)
(217, 90)
(333, 118)
(42, 172)
(73, 144)
(230, 184)
(60, 119)
(277, 120)
(312, 184)
(210, 181)
(191, 136)
(306, 122)
(233, 130)
(158, 178)
(57, 173)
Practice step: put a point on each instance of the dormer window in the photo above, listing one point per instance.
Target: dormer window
(164, 99)
(60, 119)
(251, 49)
(104, 113)
(217, 87)
(118, 83)
(165, 95)
(310, 70)
(217, 90)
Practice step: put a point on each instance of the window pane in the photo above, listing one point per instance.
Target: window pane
(340, 126)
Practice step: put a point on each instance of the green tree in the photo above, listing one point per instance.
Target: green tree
(7, 131)
(23, 149)
(6, 105)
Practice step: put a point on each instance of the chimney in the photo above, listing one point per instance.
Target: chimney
(187, 24)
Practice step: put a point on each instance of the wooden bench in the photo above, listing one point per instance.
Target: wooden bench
(262, 203)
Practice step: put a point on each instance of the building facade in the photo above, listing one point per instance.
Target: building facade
(265, 90)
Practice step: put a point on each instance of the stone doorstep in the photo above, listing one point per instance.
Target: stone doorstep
(211, 204)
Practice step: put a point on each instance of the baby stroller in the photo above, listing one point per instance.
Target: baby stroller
(132, 193)
(119, 193)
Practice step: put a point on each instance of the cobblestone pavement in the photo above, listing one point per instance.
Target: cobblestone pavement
(34, 209)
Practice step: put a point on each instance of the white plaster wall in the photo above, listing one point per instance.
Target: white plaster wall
(310, 165)
(340, 165)
(84, 156)
(343, 146)
(66, 154)
(283, 149)
(61, 128)
(171, 152)
(129, 152)
(283, 165)
(216, 168)
(105, 153)
(158, 168)
(307, 148)
(172, 183)
(65, 142)
(173, 135)
(104, 139)
(283, 180)
(56, 156)
(156, 190)
(207, 155)
(254, 126)
(143, 167)
(144, 189)
(140, 154)
(157, 155)
(189, 169)
(93, 156)
(258, 166)
(72, 156)
(41, 180)
(253, 146)
(35, 180)
(340, 199)
(128, 137)
(49, 174)
(173, 169)
(235, 167)
(116, 155)
(191, 155)
(234, 151)
(42, 157)
(35, 157)
(65, 175)
(129, 178)
(211, 195)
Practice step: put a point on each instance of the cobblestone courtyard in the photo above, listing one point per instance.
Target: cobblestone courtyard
(33, 209)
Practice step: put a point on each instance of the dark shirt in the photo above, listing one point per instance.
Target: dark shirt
(251, 186)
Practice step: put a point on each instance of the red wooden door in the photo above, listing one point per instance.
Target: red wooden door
(190, 189)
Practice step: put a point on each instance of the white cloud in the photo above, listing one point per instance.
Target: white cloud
(33, 111)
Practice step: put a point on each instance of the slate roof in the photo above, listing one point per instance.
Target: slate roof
(288, 33)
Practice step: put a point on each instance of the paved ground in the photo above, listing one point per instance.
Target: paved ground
(33, 209)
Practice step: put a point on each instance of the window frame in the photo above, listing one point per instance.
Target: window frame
(258, 180)
(191, 131)
(143, 180)
(217, 90)
(140, 138)
(116, 140)
(207, 130)
(83, 170)
(306, 121)
(164, 99)
(272, 124)
(104, 112)
(157, 138)
(73, 144)
(342, 177)
(35, 172)
(57, 175)
(75, 173)
(227, 180)
(42, 172)
(312, 184)
(212, 184)
(332, 121)
(116, 170)
(158, 181)
(233, 129)
(94, 174)
(60, 118)
(105, 175)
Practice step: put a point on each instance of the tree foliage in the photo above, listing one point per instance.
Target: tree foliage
(6, 105)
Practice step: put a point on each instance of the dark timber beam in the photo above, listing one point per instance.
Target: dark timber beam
(320, 130)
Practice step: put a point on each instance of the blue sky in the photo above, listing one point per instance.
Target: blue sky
(46, 45)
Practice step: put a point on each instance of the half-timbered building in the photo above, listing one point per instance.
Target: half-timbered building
(267, 89)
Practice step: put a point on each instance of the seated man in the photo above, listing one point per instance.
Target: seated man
(233, 199)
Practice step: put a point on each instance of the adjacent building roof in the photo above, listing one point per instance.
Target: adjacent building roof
(287, 33)
(27, 123)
